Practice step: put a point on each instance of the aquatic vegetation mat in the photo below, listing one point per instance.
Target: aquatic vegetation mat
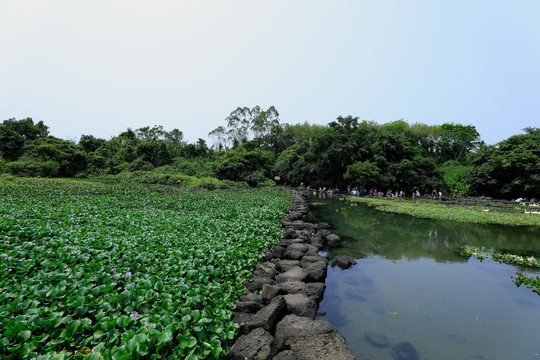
(126, 271)
(511, 216)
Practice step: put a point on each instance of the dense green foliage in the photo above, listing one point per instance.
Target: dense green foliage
(509, 170)
(254, 148)
(503, 215)
(126, 270)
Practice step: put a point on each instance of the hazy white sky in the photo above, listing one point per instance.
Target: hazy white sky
(99, 67)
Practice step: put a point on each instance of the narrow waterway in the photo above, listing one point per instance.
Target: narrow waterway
(412, 285)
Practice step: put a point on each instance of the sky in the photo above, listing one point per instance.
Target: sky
(99, 67)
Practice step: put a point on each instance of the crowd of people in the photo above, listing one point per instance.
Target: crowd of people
(361, 191)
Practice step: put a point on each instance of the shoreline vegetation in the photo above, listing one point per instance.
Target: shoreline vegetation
(496, 214)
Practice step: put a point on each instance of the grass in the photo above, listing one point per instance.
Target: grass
(432, 209)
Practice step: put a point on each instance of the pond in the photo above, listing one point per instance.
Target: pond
(411, 285)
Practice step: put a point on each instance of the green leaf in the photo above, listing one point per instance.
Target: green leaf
(120, 354)
(165, 336)
(26, 334)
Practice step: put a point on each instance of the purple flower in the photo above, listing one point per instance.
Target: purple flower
(128, 274)
(114, 270)
(134, 315)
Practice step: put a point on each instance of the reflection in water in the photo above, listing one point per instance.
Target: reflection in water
(412, 286)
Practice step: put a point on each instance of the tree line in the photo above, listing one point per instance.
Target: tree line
(254, 147)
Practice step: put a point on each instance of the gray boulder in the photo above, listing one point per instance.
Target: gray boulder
(301, 305)
(316, 271)
(248, 307)
(345, 261)
(278, 251)
(377, 340)
(257, 282)
(267, 317)
(258, 344)
(298, 247)
(292, 254)
(311, 339)
(293, 287)
(332, 239)
(265, 270)
(286, 265)
(306, 260)
(315, 291)
(249, 296)
(296, 273)
(270, 291)
(405, 351)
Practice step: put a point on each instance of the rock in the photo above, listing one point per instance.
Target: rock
(362, 284)
(249, 296)
(258, 344)
(377, 340)
(345, 261)
(290, 233)
(312, 250)
(278, 251)
(324, 232)
(306, 260)
(296, 273)
(332, 239)
(301, 305)
(292, 254)
(323, 225)
(270, 291)
(257, 282)
(265, 270)
(405, 351)
(248, 307)
(285, 355)
(267, 317)
(315, 291)
(286, 265)
(297, 247)
(295, 216)
(311, 339)
(242, 318)
(316, 271)
(293, 287)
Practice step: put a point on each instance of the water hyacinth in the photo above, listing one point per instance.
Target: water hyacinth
(196, 279)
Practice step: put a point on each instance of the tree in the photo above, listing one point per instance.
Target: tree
(362, 172)
(246, 163)
(15, 134)
(245, 124)
(457, 140)
(90, 144)
(511, 169)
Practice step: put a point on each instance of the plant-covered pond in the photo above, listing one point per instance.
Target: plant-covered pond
(124, 271)
(413, 285)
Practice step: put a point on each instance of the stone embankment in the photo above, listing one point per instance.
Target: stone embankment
(282, 299)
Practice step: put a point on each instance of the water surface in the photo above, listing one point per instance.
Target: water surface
(412, 285)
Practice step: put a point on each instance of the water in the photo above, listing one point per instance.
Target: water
(412, 285)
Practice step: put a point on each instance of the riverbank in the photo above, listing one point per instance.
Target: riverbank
(488, 212)
(277, 311)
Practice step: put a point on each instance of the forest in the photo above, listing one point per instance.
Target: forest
(253, 148)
